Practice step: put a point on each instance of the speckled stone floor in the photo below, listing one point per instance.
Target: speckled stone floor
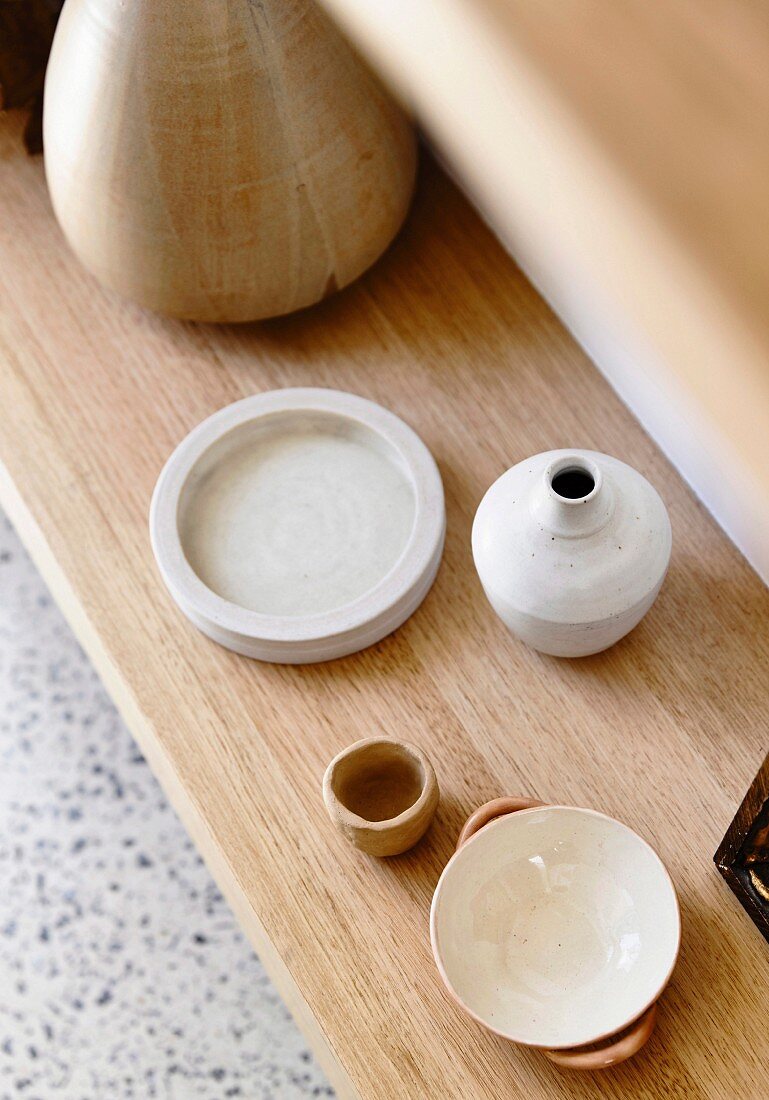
(122, 971)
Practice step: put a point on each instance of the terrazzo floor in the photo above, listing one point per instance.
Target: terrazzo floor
(122, 971)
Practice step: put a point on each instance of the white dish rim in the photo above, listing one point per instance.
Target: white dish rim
(505, 821)
(323, 635)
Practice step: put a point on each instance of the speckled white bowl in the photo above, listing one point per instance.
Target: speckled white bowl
(555, 927)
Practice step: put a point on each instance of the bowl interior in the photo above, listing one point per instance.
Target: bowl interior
(378, 780)
(555, 926)
(296, 513)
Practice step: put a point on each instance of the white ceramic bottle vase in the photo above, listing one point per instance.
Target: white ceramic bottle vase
(571, 548)
(221, 160)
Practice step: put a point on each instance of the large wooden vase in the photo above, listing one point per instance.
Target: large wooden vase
(221, 160)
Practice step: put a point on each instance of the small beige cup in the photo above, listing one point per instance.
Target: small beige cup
(381, 794)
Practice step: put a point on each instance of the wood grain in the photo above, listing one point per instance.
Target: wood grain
(221, 163)
(664, 731)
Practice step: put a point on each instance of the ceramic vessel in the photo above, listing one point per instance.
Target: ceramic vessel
(381, 794)
(556, 927)
(571, 548)
(221, 160)
(299, 525)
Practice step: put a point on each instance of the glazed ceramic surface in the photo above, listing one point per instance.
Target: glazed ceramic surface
(555, 926)
(296, 515)
(572, 548)
(299, 525)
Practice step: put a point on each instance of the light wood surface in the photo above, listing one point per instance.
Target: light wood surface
(665, 731)
(221, 163)
(621, 149)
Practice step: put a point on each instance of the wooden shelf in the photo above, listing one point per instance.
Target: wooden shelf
(622, 152)
(665, 731)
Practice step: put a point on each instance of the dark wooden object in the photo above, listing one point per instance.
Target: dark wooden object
(26, 33)
(743, 855)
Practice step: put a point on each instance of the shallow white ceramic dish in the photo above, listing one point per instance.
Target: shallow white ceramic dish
(299, 525)
(556, 927)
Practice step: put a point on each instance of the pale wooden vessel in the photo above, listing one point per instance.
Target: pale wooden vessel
(221, 161)
(664, 730)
